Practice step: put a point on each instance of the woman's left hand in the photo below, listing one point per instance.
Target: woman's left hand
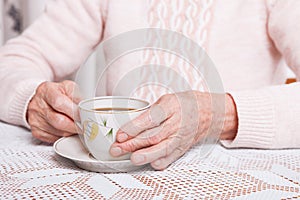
(171, 126)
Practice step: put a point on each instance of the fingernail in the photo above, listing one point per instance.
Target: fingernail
(122, 137)
(116, 151)
(138, 159)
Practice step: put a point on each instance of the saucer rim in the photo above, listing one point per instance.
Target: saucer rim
(84, 160)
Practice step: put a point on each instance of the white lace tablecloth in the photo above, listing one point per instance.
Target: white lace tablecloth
(31, 170)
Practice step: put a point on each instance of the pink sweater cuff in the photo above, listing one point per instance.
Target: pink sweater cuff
(256, 125)
(18, 106)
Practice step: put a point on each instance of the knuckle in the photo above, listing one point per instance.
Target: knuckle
(130, 146)
(46, 84)
(69, 84)
(42, 86)
(32, 106)
(154, 139)
(58, 103)
(59, 121)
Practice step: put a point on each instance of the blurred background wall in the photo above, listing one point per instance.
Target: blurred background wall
(16, 15)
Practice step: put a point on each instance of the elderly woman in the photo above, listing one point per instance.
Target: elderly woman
(246, 40)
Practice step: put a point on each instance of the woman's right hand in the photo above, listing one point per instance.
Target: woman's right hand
(52, 111)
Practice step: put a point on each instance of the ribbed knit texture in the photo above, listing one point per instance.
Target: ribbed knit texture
(24, 93)
(256, 129)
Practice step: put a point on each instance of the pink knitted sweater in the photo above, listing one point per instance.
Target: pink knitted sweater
(246, 40)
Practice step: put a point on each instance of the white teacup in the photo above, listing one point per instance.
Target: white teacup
(102, 117)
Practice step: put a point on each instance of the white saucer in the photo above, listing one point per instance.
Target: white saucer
(72, 148)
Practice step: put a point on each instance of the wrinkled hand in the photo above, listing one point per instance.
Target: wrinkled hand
(50, 112)
(171, 126)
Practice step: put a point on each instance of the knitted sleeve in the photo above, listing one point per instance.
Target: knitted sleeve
(53, 47)
(270, 117)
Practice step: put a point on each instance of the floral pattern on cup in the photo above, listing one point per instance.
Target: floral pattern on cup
(91, 130)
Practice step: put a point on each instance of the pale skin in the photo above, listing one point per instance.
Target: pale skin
(172, 126)
(159, 136)
(50, 112)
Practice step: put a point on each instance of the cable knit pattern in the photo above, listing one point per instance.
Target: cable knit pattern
(189, 18)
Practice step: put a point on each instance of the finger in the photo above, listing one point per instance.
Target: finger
(60, 121)
(72, 91)
(59, 133)
(163, 163)
(155, 152)
(46, 127)
(40, 121)
(44, 136)
(147, 138)
(153, 117)
(56, 98)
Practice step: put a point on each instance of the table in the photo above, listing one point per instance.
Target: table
(30, 169)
